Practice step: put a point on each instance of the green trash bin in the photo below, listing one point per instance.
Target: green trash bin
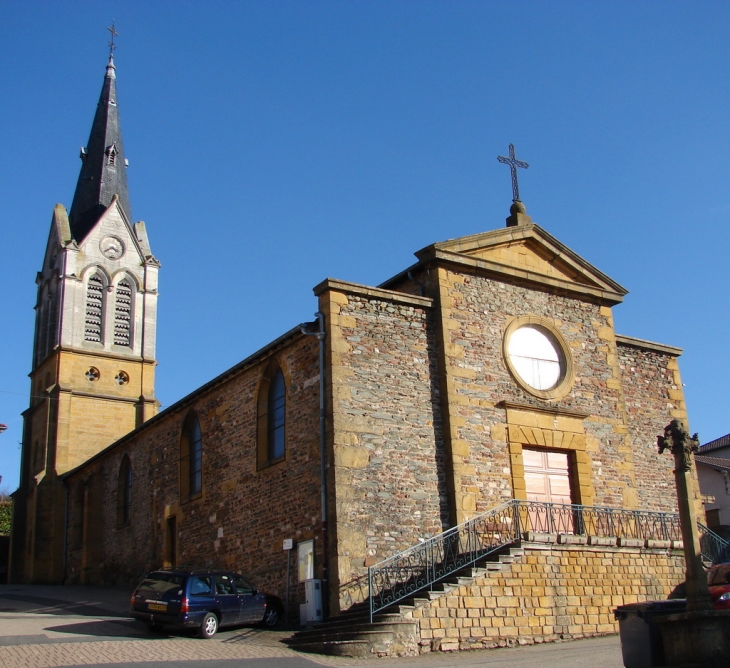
(641, 639)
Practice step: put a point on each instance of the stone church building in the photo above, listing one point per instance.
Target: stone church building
(487, 370)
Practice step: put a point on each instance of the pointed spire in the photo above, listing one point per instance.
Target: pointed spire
(104, 169)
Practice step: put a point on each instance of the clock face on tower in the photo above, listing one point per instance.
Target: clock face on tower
(112, 247)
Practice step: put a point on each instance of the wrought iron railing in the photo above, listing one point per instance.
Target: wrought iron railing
(422, 565)
(715, 549)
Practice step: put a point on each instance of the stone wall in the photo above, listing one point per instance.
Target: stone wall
(243, 514)
(388, 478)
(551, 592)
(654, 396)
(475, 313)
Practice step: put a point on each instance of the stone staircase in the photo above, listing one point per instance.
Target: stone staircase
(394, 630)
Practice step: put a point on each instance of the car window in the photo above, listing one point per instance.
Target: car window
(224, 585)
(200, 585)
(243, 586)
(162, 583)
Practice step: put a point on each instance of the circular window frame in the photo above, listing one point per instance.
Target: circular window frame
(567, 376)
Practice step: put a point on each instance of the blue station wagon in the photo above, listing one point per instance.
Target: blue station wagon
(204, 600)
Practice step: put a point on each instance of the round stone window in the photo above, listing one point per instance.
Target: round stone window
(538, 357)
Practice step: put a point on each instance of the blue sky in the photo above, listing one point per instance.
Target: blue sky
(273, 144)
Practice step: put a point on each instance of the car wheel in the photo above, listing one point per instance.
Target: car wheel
(209, 626)
(271, 617)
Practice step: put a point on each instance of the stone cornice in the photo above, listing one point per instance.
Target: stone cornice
(552, 410)
(181, 404)
(95, 395)
(98, 353)
(525, 277)
(372, 293)
(648, 345)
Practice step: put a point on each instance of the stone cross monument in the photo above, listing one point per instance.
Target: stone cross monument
(678, 441)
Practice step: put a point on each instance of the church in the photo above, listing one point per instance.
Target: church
(487, 372)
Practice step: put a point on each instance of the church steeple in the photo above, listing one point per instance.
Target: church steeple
(104, 169)
(93, 370)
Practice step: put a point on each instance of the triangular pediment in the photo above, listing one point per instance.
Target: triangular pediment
(112, 229)
(528, 254)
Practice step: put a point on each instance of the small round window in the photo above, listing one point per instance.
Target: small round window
(537, 356)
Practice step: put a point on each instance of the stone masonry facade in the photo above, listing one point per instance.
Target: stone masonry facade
(655, 388)
(429, 425)
(388, 473)
(242, 514)
(551, 592)
(426, 427)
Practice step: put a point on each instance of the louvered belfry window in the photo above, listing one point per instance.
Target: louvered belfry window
(94, 308)
(123, 314)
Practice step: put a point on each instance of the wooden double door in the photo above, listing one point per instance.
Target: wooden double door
(548, 480)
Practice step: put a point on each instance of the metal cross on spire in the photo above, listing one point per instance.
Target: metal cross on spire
(114, 34)
(513, 163)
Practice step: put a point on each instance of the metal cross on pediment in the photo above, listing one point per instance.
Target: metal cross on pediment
(513, 163)
(114, 34)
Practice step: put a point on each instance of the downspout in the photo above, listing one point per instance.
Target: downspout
(322, 462)
(421, 286)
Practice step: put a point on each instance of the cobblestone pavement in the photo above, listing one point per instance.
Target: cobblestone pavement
(44, 626)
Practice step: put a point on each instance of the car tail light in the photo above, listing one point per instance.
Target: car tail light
(184, 607)
(131, 602)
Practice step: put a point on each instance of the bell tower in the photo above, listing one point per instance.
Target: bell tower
(93, 367)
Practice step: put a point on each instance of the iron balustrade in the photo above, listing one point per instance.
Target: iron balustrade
(422, 565)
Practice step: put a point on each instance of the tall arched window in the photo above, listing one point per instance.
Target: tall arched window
(123, 313)
(94, 308)
(271, 422)
(124, 493)
(191, 459)
(52, 325)
(42, 322)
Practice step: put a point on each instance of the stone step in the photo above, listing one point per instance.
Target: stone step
(352, 634)
(356, 649)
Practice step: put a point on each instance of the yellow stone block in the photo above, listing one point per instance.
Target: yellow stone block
(574, 425)
(338, 298)
(454, 350)
(339, 345)
(351, 457)
(498, 432)
(606, 333)
(473, 602)
(460, 447)
(461, 372)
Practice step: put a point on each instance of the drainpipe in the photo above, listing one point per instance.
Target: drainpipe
(322, 462)
(421, 286)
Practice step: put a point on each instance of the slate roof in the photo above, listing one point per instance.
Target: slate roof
(101, 178)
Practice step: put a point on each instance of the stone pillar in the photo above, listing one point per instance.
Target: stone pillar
(678, 441)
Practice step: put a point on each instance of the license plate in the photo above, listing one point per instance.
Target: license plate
(157, 606)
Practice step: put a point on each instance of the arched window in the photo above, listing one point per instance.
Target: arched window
(123, 313)
(271, 422)
(124, 493)
(94, 308)
(42, 323)
(191, 459)
(52, 326)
